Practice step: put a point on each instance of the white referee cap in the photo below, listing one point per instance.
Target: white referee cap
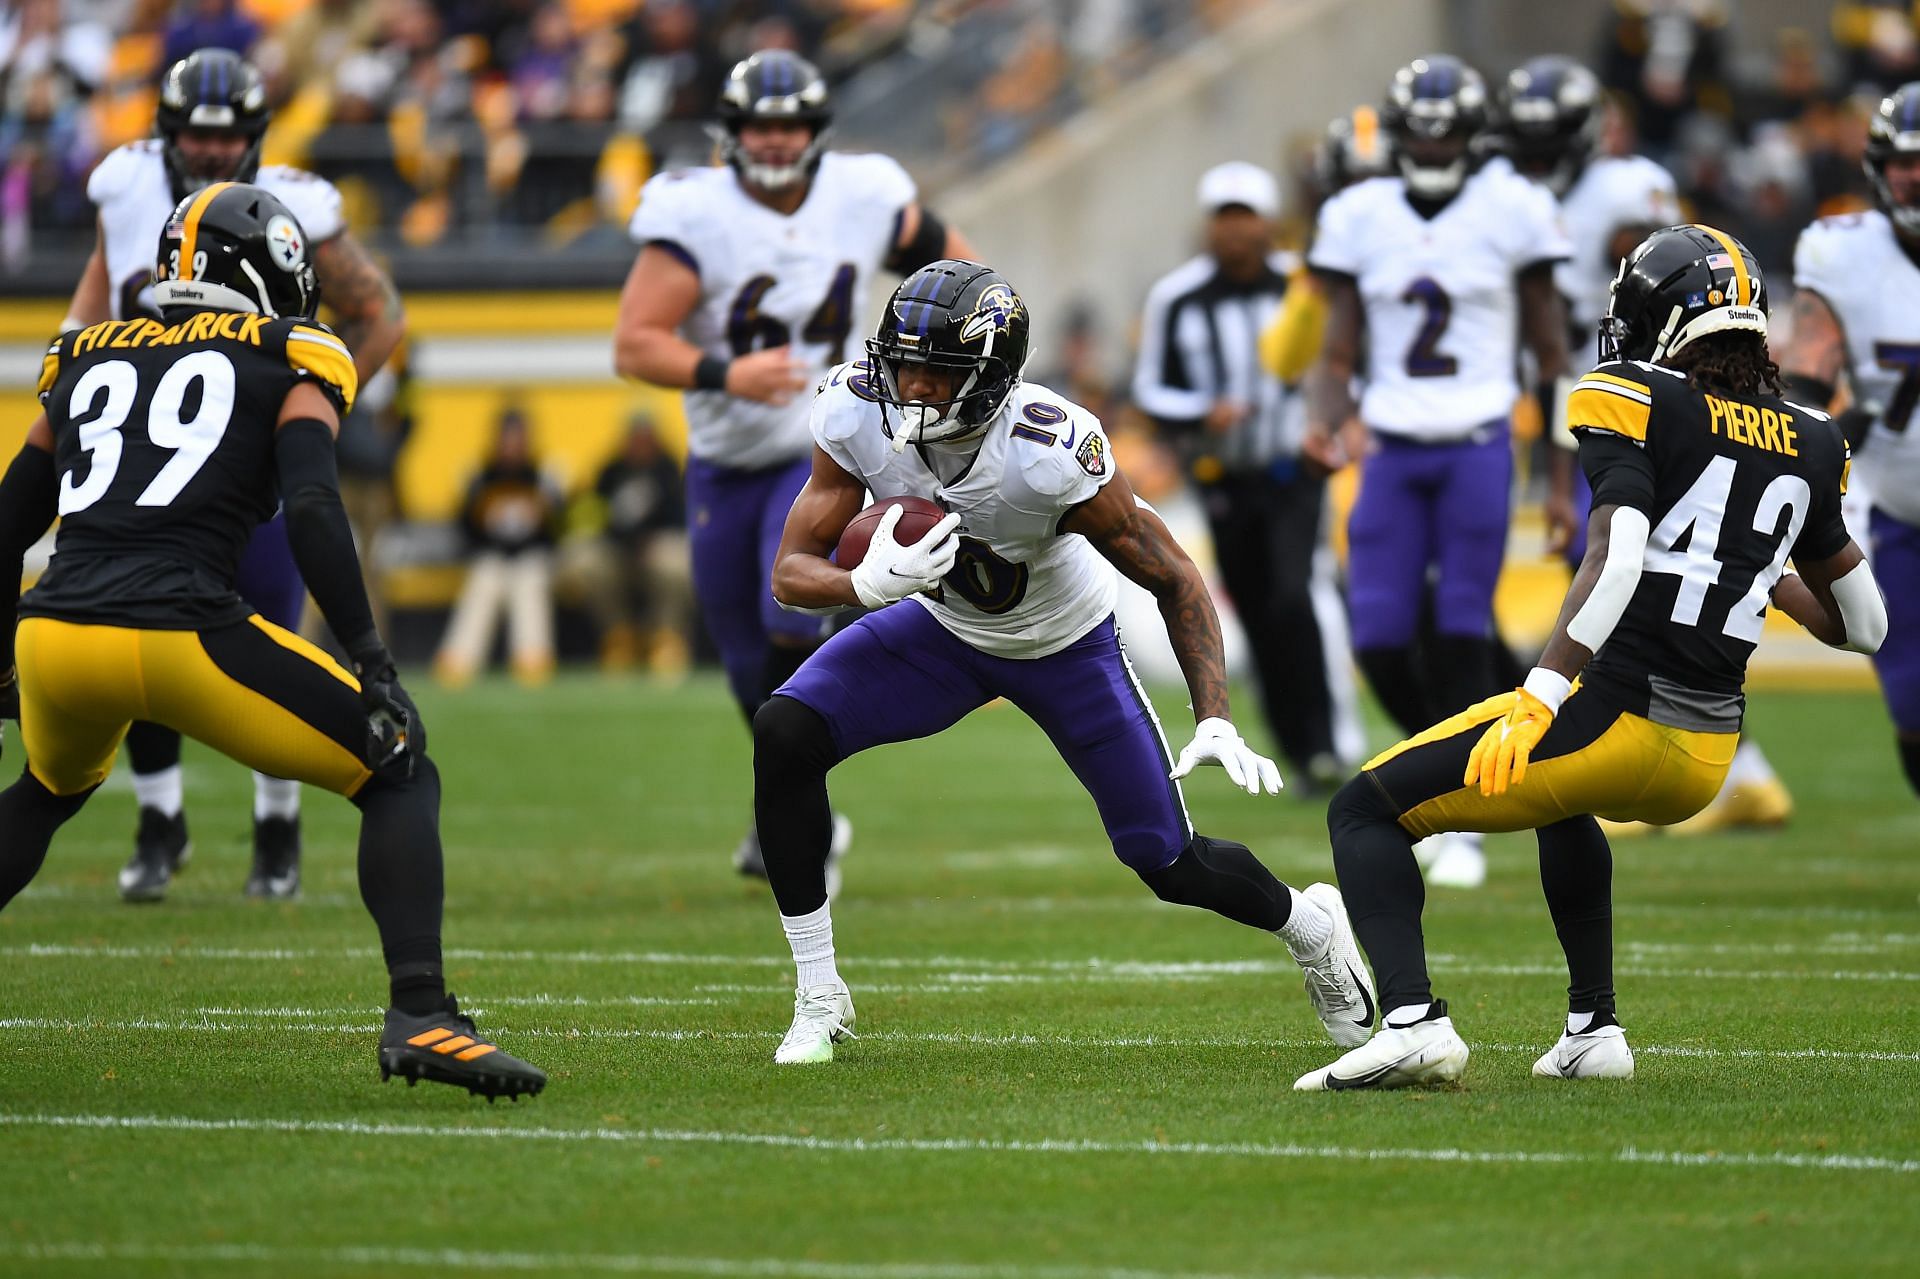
(1237, 182)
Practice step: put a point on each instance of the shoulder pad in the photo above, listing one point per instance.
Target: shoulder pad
(118, 168)
(50, 366)
(1058, 446)
(314, 352)
(841, 405)
(1616, 397)
(313, 201)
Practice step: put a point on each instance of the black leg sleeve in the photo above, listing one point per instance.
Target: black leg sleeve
(1463, 671)
(1576, 873)
(782, 661)
(152, 748)
(1395, 677)
(1225, 878)
(1910, 760)
(29, 814)
(403, 880)
(1385, 895)
(792, 751)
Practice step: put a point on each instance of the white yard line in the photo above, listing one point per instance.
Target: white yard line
(454, 1260)
(976, 1145)
(227, 1020)
(956, 968)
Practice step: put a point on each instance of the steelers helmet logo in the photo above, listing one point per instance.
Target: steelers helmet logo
(285, 243)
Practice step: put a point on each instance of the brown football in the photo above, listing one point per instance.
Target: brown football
(917, 515)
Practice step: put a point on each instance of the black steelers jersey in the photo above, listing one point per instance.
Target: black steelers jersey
(163, 448)
(1732, 488)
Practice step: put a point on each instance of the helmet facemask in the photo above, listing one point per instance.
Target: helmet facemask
(771, 177)
(980, 387)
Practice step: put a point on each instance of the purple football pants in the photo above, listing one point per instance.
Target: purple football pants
(268, 579)
(898, 674)
(734, 521)
(1422, 507)
(1896, 565)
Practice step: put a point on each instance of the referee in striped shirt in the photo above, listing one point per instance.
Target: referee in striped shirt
(1239, 431)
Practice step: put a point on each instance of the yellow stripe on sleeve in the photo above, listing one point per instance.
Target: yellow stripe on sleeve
(49, 369)
(1605, 380)
(319, 354)
(1607, 410)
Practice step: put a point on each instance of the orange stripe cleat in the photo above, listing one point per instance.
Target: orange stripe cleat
(445, 1048)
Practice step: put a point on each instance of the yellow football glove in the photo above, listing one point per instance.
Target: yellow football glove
(1499, 758)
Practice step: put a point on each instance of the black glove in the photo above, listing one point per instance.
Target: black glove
(395, 736)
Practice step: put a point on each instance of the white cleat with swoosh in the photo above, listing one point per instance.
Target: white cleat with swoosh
(1598, 1053)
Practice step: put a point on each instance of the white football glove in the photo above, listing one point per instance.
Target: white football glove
(1216, 741)
(892, 572)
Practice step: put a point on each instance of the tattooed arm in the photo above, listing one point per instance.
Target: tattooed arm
(1817, 353)
(363, 300)
(1133, 538)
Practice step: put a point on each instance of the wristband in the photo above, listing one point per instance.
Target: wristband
(710, 374)
(1551, 687)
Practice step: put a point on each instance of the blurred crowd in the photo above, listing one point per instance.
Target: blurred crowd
(549, 114)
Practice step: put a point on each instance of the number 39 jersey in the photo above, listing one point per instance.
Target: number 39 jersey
(163, 444)
(769, 279)
(1732, 487)
(1020, 588)
(1441, 303)
(1857, 267)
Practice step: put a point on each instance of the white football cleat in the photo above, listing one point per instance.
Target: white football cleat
(1599, 1053)
(842, 837)
(1458, 860)
(1338, 983)
(1429, 1051)
(822, 1015)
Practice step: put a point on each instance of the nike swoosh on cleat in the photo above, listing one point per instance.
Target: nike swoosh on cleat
(1366, 1000)
(1336, 1084)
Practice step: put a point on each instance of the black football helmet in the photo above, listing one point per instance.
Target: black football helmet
(1894, 130)
(1351, 149)
(774, 84)
(1549, 117)
(957, 316)
(235, 247)
(1680, 284)
(1433, 98)
(214, 89)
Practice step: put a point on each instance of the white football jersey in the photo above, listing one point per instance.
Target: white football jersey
(769, 279)
(130, 189)
(1441, 303)
(1612, 192)
(1857, 267)
(1020, 588)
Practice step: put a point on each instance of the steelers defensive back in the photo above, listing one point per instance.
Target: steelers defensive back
(162, 445)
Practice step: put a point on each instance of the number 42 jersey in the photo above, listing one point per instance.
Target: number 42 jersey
(1732, 487)
(163, 445)
(769, 279)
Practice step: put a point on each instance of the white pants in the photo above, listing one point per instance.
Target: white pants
(521, 586)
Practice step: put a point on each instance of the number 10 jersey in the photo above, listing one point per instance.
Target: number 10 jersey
(163, 445)
(769, 279)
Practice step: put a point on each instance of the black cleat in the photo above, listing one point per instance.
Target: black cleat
(747, 858)
(444, 1047)
(276, 859)
(160, 848)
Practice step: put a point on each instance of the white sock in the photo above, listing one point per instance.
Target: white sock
(1406, 1014)
(1749, 766)
(275, 797)
(1308, 928)
(161, 790)
(1577, 1023)
(811, 937)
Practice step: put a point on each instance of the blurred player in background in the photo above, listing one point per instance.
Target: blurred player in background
(212, 121)
(1011, 595)
(1856, 318)
(1705, 481)
(1442, 268)
(162, 446)
(746, 289)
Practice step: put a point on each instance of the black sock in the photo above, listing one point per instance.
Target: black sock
(792, 752)
(1225, 878)
(1394, 675)
(1462, 672)
(1380, 880)
(1576, 873)
(403, 882)
(1910, 760)
(152, 748)
(29, 815)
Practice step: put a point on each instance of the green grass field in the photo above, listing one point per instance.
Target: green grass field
(1057, 1075)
